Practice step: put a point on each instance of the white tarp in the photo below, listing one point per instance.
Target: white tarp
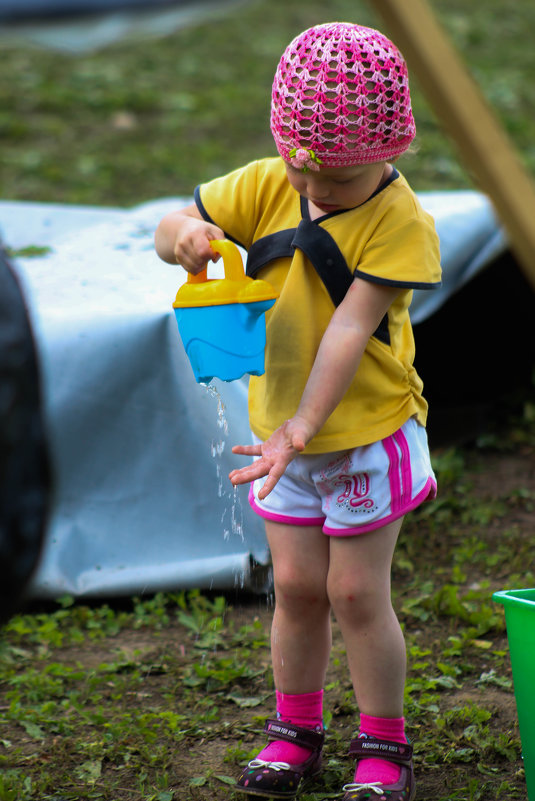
(140, 452)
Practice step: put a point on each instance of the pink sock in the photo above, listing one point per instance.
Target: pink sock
(374, 769)
(304, 709)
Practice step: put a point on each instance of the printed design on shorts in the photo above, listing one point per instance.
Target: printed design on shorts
(328, 478)
(355, 496)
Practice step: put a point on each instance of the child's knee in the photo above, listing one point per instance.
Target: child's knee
(295, 589)
(358, 600)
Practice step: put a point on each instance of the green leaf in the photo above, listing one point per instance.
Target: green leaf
(246, 701)
(226, 780)
(90, 771)
(491, 677)
(32, 729)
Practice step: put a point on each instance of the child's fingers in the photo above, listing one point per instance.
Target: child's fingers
(244, 475)
(274, 475)
(192, 248)
(199, 251)
(266, 489)
(247, 450)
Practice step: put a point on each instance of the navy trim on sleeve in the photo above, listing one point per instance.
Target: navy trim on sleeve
(206, 216)
(374, 279)
(200, 205)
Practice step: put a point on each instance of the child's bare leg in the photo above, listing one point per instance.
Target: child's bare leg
(301, 631)
(301, 643)
(359, 591)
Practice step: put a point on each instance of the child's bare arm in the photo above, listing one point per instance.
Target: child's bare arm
(337, 360)
(183, 237)
(341, 349)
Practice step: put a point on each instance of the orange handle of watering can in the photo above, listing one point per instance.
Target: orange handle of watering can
(231, 259)
(200, 278)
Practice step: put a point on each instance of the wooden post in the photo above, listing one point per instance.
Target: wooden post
(468, 120)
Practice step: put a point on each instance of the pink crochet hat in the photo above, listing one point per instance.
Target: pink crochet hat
(341, 98)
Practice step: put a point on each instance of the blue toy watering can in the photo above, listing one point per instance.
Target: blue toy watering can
(221, 321)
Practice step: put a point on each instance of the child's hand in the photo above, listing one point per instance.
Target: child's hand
(183, 237)
(275, 455)
(192, 246)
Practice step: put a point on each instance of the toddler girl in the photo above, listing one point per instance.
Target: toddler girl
(338, 417)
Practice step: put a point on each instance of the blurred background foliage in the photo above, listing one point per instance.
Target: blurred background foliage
(147, 119)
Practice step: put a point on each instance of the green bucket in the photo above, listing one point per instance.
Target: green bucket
(520, 621)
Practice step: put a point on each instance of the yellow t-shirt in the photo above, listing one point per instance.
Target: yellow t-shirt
(388, 239)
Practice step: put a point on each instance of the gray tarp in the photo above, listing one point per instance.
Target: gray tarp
(140, 452)
(79, 26)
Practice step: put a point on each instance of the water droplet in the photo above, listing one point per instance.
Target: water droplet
(217, 448)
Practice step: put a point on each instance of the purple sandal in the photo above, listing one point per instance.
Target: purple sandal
(279, 779)
(400, 753)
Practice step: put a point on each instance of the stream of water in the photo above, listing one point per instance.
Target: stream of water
(232, 517)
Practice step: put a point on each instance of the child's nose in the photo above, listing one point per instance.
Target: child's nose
(317, 189)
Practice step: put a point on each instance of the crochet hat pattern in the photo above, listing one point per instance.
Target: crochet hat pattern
(340, 98)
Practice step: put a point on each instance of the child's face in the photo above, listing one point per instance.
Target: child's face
(334, 188)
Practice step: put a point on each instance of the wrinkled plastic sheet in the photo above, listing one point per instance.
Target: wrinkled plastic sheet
(140, 452)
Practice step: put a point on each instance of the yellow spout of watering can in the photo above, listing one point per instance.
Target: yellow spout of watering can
(235, 287)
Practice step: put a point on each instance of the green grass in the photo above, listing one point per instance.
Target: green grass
(164, 698)
(66, 718)
(138, 121)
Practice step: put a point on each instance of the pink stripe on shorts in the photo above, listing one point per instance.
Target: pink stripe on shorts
(351, 492)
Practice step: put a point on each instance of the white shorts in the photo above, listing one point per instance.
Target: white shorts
(351, 492)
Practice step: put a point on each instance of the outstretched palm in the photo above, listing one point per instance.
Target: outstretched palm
(274, 455)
